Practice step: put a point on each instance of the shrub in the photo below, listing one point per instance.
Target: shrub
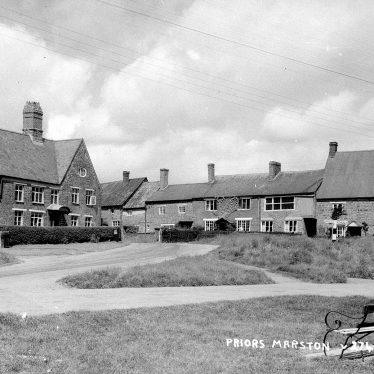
(58, 234)
(301, 255)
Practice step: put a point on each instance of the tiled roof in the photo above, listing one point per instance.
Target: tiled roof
(298, 182)
(348, 175)
(117, 193)
(21, 158)
(142, 194)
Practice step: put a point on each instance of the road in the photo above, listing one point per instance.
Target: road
(30, 287)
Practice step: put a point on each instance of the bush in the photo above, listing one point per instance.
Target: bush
(59, 235)
(301, 256)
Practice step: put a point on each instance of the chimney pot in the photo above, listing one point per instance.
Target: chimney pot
(211, 173)
(164, 178)
(33, 121)
(333, 148)
(126, 176)
(274, 169)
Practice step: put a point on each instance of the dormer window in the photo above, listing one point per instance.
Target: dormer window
(82, 172)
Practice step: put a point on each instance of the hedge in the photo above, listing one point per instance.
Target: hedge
(59, 234)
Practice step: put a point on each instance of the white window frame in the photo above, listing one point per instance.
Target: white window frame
(210, 224)
(182, 208)
(291, 225)
(19, 189)
(248, 203)
(37, 194)
(243, 224)
(37, 219)
(341, 231)
(162, 210)
(281, 203)
(116, 223)
(90, 197)
(75, 195)
(74, 220)
(337, 203)
(55, 196)
(22, 216)
(89, 220)
(211, 205)
(167, 225)
(82, 172)
(267, 225)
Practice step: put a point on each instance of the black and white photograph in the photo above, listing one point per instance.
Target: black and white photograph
(186, 186)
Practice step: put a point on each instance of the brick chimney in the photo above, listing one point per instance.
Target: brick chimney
(164, 178)
(211, 174)
(333, 148)
(33, 121)
(274, 169)
(126, 177)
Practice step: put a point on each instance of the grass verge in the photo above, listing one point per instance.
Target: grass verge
(7, 258)
(180, 339)
(183, 271)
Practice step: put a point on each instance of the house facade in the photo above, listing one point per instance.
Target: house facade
(348, 186)
(267, 202)
(45, 182)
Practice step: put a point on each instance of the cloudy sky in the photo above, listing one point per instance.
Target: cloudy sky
(177, 84)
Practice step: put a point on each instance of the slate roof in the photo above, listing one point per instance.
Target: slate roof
(117, 193)
(285, 183)
(348, 175)
(137, 201)
(48, 163)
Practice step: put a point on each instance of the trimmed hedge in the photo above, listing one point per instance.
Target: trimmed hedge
(59, 234)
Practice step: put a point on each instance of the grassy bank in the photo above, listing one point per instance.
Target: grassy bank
(7, 258)
(183, 271)
(318, 260)
(181, 339)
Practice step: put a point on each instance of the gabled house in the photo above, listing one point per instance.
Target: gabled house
(348, 185)
(115, 196)
(268, 202)
(45, 182)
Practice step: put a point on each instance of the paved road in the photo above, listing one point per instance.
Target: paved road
(31, 286)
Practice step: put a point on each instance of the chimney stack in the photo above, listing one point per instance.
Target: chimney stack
(33, 121)
(333, 148)
(274, 169)
(126, 177)
(211, 173)
(164, 178)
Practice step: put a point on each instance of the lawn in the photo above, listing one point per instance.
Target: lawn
(7, 258)
(313, 259)
(184, 271)
(180, 339)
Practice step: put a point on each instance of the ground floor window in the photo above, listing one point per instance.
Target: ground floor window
(18, 218)
(36, 219)
(243, 224)
(340, 231)
(74, 220)
(290, 226)
(267, 226)
(115, 223)
(210, 224)
(88, 221)
(167, 225)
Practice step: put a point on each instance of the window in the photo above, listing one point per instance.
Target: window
(167, 225)
(36, 219)
(338, 206)
(267, 226)
(182, 209)
(243, 224)
(340, 231)
(75, 195)
(82, 172)
(115, 223)
(211, 204)
(18, 218)
(37, 195)
(290, 226)
(88, 222)
(279, 203)
(90, 198)
(210, 224)
(161, 210)
(74, 219)
(54, 196)
(244, 203)
(19, 193)
(128, 212)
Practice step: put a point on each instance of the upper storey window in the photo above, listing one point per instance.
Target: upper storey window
(82, 172)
